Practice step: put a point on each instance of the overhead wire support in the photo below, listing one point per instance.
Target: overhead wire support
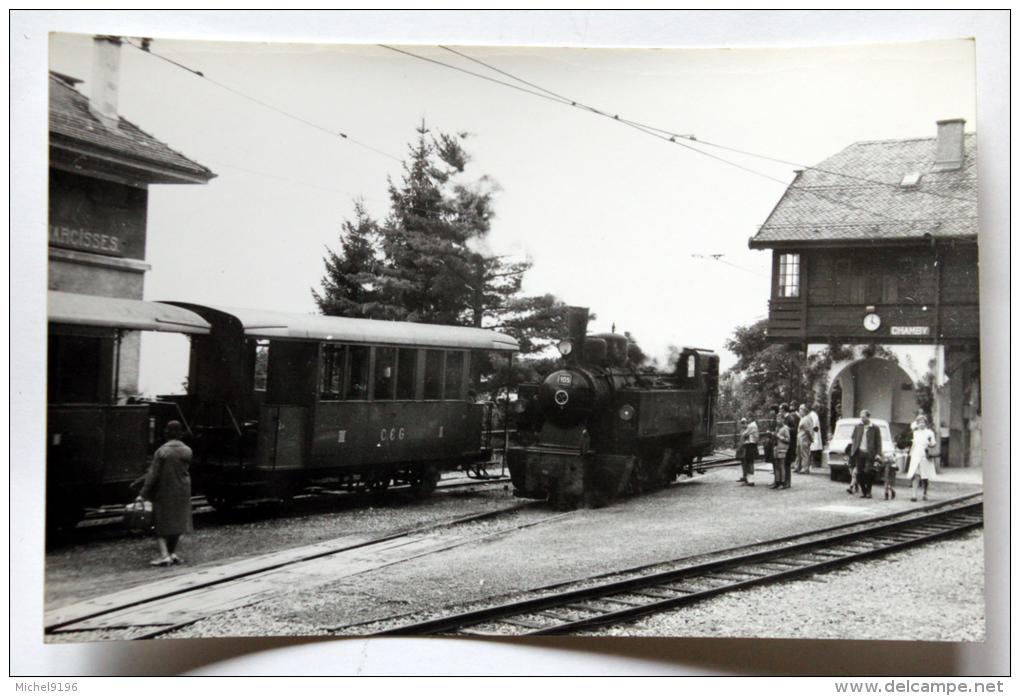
(145, 49)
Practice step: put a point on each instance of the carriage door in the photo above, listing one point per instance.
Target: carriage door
(284, 419)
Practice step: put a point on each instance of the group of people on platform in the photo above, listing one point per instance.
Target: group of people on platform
(795, 437)
(779, 446)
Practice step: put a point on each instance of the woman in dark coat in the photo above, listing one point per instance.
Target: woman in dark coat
(168, 485)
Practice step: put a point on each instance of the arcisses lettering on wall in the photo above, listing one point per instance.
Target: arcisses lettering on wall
(87, 241)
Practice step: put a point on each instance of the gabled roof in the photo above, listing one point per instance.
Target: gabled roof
(258, 323)
(868, 204)
(79, 141)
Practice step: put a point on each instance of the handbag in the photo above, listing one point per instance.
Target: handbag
(138, 516)
(932, 452)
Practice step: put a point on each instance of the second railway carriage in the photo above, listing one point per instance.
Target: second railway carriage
(280, 402)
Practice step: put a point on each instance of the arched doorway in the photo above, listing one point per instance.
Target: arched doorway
(876, 384)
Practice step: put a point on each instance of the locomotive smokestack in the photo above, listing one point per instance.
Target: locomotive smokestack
(577, 326)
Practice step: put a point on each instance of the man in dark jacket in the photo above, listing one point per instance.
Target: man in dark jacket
(865, 448)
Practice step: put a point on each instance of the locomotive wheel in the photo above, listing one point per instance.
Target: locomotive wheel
(563, 502)
(424, 482)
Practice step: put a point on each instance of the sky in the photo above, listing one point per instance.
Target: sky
(651, 235)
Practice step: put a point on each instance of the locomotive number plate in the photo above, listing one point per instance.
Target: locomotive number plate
(565, 380)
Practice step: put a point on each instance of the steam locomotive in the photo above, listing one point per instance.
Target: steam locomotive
(600, 428)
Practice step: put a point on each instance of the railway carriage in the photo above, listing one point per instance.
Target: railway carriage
(97, 442)
(281, 402)
(599, 428)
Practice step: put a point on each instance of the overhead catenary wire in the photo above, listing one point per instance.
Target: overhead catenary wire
(718, 257)
(230, 89)
(283, 178)
(672, 136)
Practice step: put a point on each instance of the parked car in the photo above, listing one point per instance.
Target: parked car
(838, 461)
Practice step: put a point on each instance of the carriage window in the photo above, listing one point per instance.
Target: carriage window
(433, 374)
(454, 374)
(385, 367)
(407, 371)
(331, 376)
(357, 373)
(75, 365)
(261, 364)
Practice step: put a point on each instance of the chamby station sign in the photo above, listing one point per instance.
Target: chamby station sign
(909, 330)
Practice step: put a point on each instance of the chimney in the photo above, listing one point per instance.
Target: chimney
(577, 327)
(949, 151)
(105, 78)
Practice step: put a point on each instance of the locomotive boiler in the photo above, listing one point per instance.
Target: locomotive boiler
(599, 427)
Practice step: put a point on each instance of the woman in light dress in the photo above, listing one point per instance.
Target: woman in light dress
(922, 466)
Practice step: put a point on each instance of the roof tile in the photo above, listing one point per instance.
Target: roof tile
(855, 195)
(71, 118)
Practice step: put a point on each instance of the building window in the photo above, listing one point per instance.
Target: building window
(789, 275)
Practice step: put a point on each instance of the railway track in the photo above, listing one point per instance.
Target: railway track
(158, 608)
(610, 602)
(110, 515)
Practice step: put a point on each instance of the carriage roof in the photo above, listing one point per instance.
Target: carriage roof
(120, 313)
(315, 327)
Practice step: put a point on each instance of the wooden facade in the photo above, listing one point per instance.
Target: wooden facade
(921, 293)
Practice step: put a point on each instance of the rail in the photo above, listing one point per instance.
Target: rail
(611, 602)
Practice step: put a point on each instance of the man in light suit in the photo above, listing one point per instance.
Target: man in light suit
(865, 448)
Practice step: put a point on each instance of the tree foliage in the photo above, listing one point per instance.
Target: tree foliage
(428, 260)
(768, 373)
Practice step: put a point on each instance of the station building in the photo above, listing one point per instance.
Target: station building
(100, 168)
(875, 268)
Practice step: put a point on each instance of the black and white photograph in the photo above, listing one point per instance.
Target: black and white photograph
(488, 341)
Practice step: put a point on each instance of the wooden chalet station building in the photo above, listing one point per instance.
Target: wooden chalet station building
(875, 265)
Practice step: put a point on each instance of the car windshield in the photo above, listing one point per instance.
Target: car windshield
(844, 431)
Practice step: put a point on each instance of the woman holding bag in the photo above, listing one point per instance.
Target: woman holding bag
(168, 485)
(923, 450)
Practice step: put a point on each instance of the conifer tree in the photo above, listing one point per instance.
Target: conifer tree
(428, 260)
